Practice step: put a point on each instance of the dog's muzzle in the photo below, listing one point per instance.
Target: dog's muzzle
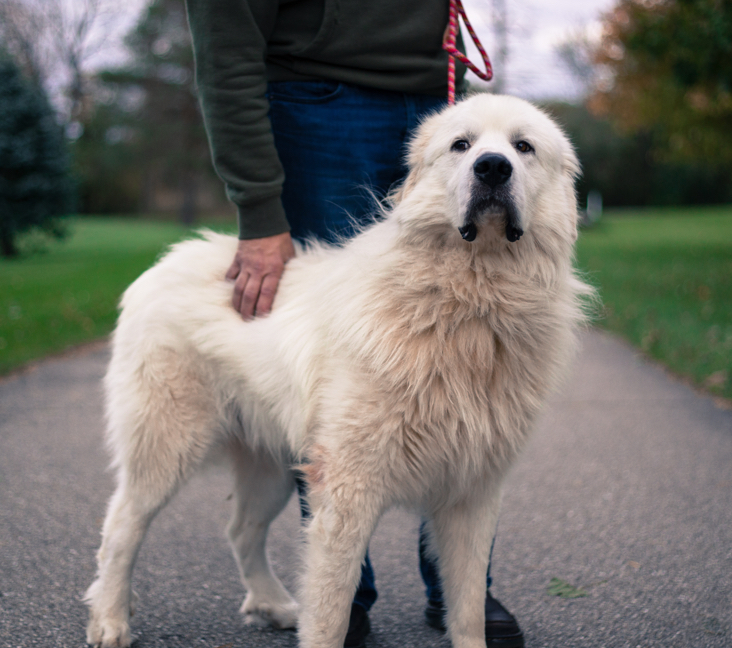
(492, 171)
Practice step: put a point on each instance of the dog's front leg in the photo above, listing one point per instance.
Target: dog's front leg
(462, 536)
(338, 537)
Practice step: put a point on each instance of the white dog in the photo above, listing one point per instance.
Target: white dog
(405, 367)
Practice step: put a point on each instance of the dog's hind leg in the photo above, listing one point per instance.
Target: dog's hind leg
(262, 488)
(110, 597)
(462, 536)
(161, 426)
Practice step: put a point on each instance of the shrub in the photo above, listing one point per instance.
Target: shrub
(36, 190)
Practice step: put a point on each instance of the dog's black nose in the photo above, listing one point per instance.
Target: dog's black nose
(492, 169)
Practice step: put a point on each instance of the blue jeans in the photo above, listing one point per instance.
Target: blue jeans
(339, 143)
(340, 146)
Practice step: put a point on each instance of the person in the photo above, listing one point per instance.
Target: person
(308, 105)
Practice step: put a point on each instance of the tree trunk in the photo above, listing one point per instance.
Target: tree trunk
(148, 202)
(189, 204)
(7, 243)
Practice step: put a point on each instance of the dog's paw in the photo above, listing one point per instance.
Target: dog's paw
(280, 615)
(106, 633)
(108, 626)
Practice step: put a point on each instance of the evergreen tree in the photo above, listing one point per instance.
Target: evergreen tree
(36, 190)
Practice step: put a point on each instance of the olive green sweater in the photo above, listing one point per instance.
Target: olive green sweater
(239, 45)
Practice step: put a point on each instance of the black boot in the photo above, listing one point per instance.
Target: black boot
(501, 628)
(358, 627)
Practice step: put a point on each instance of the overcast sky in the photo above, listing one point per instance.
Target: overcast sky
(533, 70)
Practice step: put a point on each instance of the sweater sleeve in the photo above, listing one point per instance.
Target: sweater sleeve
(229, 43)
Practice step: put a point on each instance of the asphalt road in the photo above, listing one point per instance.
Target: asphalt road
(625, 491)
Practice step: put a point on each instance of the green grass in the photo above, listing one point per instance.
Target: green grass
(665, 277)
(69, 294)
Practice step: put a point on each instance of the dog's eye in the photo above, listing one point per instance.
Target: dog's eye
(460, 145)
(524, 147)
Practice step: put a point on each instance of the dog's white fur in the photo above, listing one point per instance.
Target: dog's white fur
(405, 367)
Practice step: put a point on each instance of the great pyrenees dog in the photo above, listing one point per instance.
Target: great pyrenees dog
(405, 367)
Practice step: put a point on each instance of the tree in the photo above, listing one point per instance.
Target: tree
(159, 116)
(671, 66)
(36, 191)
(622, 168)
(52, 42)
(500, 28)
(577, 52)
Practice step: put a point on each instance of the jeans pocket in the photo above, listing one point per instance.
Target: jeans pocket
(303, 92)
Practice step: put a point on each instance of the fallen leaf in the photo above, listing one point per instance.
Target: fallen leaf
(716, 379)
(561, 588)
(714, 626)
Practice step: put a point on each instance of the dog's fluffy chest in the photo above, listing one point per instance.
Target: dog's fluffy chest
(459, 372)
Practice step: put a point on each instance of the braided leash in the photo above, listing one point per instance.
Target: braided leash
(456, 7)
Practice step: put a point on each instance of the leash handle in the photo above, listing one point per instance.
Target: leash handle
(448, 44)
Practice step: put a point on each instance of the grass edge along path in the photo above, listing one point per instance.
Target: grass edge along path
(665, 280)
(68, 295)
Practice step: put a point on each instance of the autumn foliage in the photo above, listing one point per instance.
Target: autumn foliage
(668, 71)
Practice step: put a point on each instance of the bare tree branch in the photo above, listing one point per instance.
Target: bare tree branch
(577, 52)
(53, 40)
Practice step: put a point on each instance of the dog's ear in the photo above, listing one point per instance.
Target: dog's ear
(402, 189)
(570, 163)
(420, 140)
(416, 156)
(399, 191)
(572, 169)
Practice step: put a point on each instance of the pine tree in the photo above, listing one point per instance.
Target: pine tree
(36, 190)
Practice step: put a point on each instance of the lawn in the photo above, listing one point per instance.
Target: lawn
(69, 294)
(665, 277)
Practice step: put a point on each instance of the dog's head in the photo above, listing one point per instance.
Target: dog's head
(493, 166)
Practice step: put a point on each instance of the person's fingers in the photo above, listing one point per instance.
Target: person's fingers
(238, 293)
(256, 271)
(267, 293)
(233, 274)
(250, 296)
(234, 269)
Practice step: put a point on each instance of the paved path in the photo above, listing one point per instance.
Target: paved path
(626, 490)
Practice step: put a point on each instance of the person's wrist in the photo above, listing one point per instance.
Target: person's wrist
(262, 220)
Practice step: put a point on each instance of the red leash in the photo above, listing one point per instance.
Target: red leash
(456, 7)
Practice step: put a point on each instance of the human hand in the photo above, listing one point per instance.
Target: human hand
(256, 271)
